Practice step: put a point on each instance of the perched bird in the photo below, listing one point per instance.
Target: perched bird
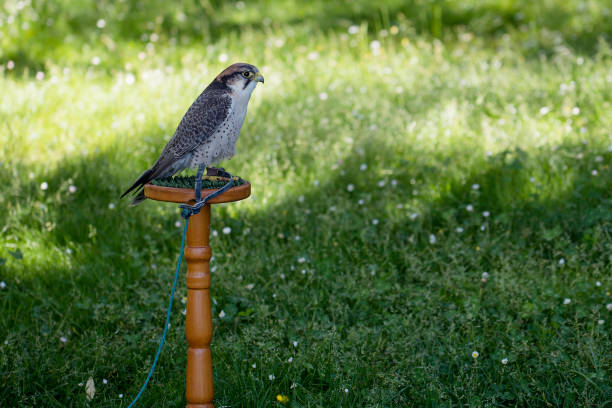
(209, 130)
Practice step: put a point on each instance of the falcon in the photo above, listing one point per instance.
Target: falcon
(209, 130)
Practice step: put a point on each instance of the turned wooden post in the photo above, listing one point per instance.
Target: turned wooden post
(198, 324)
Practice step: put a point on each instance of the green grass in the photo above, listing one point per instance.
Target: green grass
(395, 152)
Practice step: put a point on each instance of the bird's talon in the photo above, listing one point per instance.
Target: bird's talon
(218, 172)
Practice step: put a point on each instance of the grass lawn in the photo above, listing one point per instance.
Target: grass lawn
(430, 180)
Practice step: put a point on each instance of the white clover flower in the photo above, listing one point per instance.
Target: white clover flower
(222, 314)
(104, 381)
(11, 64)
(44, 185)
(223, 57)
(184, 312)
(469, 207)
(601, 321)
(95, 60)
(485, 276)
(290, 360)
(346, 390)
(214, 233)
(532, 179)
(295, 343)
(323, 96)
(432, 239)
(227, 230)
(316, 183)
(598, 283)
(567, 301)
(120, 395)
(301, 259)
(594, 172)
(177, 224)
(2, 284)
(544, 110)
(360, 202)
(68, 251)
(303, 271)
(353, 29)
(486, 214)
(101, 23)
(394, 183)
(297, 238)
(111, 206)
(350, 188)
(72, 189)
(381, 183)
(375, 221)
(130, 78)
(561, 261)
(414, 216)
(63, 339)
(364, 166)
(271, 377)
(459, 230)
(475, 354)
(254, 365)
(250, 286)
(40, 75)
(475, 186)
(598, 159)
(504, 361)
(282, 276)
(609, 306)
(483, 227)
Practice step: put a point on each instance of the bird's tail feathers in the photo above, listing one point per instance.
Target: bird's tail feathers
(142, 180)
(139, 198)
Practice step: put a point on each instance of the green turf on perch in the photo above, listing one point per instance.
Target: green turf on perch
(208, 182)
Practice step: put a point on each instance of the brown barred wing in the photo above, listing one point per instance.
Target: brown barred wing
(200, 122)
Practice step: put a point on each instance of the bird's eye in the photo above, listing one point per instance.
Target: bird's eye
(247, 74)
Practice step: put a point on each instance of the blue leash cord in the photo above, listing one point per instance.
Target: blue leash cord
(187, 211)
(163, 337)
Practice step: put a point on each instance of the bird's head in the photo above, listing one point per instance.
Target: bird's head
(241, 78)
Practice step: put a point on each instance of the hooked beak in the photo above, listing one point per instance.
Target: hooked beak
(259, 78)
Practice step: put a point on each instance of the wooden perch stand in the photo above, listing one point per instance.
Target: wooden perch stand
(198, 324)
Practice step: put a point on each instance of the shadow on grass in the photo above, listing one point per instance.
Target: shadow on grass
(382, 298)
